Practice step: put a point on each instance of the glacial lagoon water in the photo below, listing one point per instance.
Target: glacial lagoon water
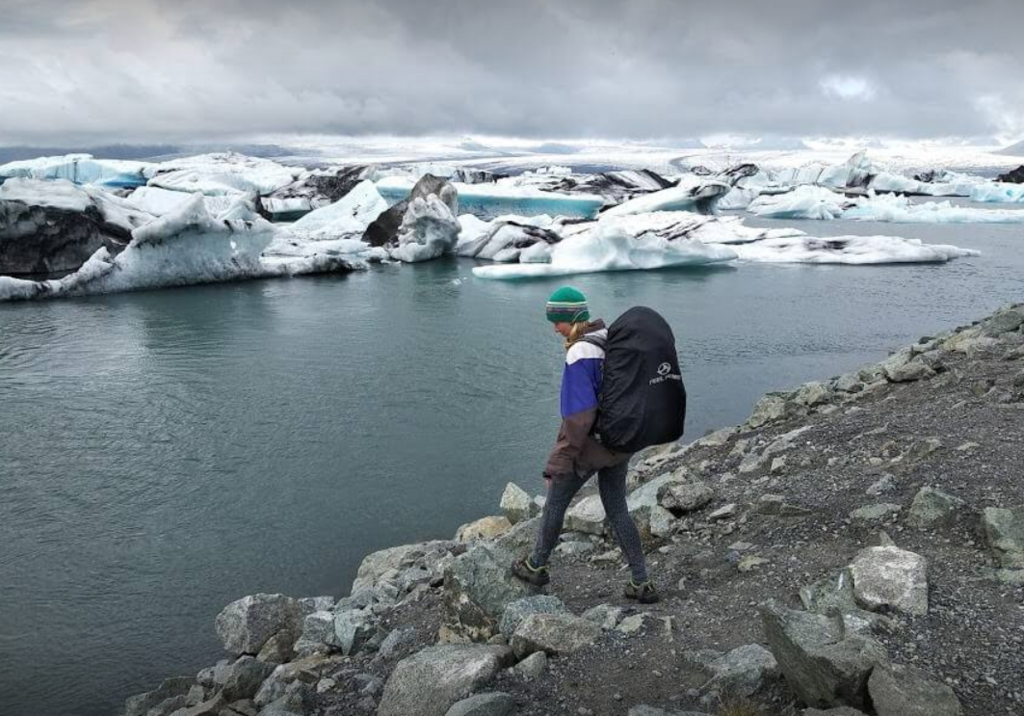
(163, 453)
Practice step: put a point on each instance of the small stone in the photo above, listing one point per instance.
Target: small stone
(875, 513)
(631, 624)
(484, 528)
(604, 615)
(724, 512)
(778, 465)
(881, 486)
(553, 634)
(493, 704)
(516, 504)
(749, 562)
(533, 666)
(587, 516)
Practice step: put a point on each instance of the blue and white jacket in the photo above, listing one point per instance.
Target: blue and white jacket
(575, 451)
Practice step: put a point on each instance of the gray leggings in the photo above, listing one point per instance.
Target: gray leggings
(611, 482)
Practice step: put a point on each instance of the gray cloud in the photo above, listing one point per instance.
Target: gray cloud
(146, 70)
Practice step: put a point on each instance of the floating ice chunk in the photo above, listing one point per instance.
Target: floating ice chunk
(804, 202)
(348, 216)
(62, 194)
(222, 173)
(185, 247)
(79, 169)
(808, 202)
(847, 250)
(506, 238)
(608, 247)
(894, 208)
(998, 192)
(428, 230)
(953, 185)
(692, 193)
(491, 200)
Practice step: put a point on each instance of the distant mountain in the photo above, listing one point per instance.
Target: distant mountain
(1016, 150)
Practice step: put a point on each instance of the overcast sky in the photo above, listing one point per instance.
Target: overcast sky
(146, 70)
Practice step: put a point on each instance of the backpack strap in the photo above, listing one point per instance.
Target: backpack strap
(593, 340)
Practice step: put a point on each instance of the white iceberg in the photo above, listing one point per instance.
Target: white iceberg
(79, 169)
(428, 230)
(951, 184)
(803, 202)
(858, 250)
(692, 192)
(347, 217)
(222, 173)
(159, 202)
(492, 200)
(508, 238)
(810, 202)
(609, 247)
(998, 192)
(185, 247)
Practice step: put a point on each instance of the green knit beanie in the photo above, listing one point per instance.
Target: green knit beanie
(568, 305)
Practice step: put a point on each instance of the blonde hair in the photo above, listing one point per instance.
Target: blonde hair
(578, 330)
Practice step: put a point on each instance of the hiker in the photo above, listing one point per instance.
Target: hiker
(577, 454)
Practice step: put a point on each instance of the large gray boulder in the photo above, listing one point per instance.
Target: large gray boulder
(244, 677)
(1004, 532)
(516, 612)
(891, 578)
(493, 704)
(353, 628)
(898, 690)
(1004, 321)
(682, 497)
(824, 666)
(377, 565)
(53, 227)
(246, 624)
(553, 634)
(932, 507)
(478, 585)
(741, 672)
(429, 682)
(139, 704)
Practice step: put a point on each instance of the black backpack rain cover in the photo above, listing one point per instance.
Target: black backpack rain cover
(643, 399)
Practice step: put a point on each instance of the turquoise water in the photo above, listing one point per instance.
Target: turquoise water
(163, 453)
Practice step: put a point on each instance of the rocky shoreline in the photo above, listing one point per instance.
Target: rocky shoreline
(855, 547)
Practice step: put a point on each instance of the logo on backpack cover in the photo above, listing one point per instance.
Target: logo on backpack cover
(665, 373)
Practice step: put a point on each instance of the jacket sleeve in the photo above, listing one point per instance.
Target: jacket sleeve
(572, 436)
(581, 385)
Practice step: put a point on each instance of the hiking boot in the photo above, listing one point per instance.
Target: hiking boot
(645, 593)
(524, 570)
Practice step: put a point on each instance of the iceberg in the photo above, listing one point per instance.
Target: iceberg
(311, 191)
(185, 247)
(429, 230)
(222, 173)
(803, 202)
(346, 217)
(492, 200)
(52, 227)
(609, 247)
(158, 202)
(79, 169)
(507, 238)
(998, 192)
(692, 192)
(858, 250)
(810, 202)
